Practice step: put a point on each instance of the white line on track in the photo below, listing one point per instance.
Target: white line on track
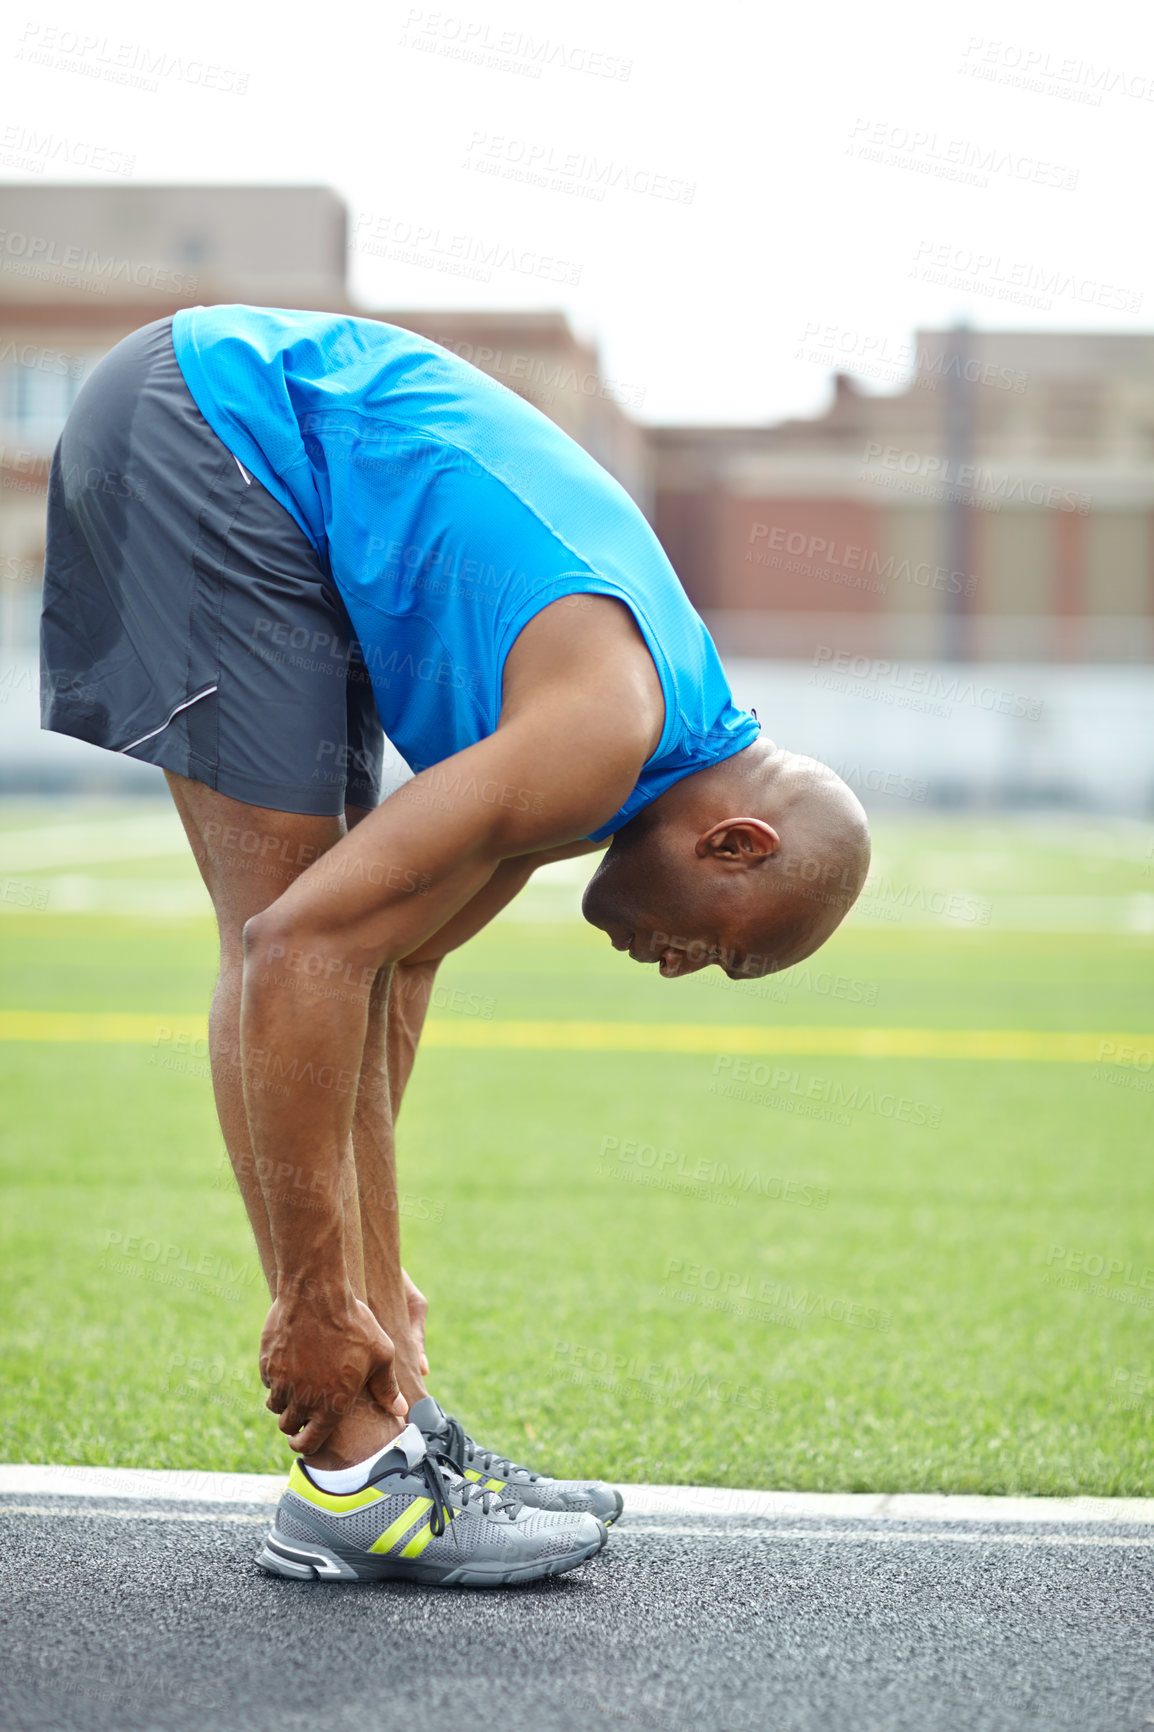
(665, 1530)
(136, 1515)
(674, 1502)
(883, 1536)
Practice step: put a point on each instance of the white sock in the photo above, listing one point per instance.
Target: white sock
(342, 1480)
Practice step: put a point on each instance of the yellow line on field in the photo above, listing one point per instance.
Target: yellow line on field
(178, 1031)
(977, 1043)
(122, 1026)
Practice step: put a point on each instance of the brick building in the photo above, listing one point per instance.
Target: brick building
(1001, 507)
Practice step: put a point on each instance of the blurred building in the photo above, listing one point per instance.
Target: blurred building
(1001, 507)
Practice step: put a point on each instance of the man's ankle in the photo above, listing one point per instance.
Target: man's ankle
(358, 1438)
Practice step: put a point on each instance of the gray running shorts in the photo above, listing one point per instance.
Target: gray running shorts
(188, 620)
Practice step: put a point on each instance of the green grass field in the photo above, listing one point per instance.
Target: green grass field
(847, 1273)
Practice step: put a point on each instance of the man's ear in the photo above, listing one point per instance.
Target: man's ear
(740, 841)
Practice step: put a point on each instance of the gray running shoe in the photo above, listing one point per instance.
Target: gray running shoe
(448, 1440)
(416, 1520)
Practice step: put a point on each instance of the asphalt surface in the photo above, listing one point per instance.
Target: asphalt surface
(123, 1617)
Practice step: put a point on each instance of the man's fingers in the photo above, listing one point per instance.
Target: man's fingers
(294, 1419)
(385, 1391)
(313, 1436)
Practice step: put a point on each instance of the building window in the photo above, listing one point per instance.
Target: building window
(193, 248)
(35, 400)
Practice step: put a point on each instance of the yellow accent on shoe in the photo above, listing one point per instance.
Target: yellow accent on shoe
(418, 1542)
(419, 1507)
(490, 1484)
(336, 1505)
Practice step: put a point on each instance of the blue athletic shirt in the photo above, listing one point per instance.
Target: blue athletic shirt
(449, 511)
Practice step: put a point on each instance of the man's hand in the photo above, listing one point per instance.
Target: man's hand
(418, 1308)
(319, 1351)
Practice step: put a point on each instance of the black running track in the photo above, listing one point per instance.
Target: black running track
(119, 1616)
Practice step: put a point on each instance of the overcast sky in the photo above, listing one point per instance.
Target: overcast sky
(724, 198)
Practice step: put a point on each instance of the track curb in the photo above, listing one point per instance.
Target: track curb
(25, 1479)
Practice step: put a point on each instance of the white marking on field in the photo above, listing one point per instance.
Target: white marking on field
(194, 1486)
(173, 898)
(140, 836)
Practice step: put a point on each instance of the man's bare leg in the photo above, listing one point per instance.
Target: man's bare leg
(247, 856)
(396, 1013)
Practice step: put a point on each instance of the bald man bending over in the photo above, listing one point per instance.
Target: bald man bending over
(270, 533)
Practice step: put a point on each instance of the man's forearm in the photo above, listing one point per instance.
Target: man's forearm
(301, 1040)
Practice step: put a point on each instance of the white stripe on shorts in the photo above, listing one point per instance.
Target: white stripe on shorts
(206, 693)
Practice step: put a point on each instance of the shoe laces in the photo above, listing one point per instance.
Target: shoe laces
(442, 1484)
(461, 1451)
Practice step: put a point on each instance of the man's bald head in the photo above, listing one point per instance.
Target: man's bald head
(750, 864)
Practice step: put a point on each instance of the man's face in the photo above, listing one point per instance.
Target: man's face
(680, 920)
